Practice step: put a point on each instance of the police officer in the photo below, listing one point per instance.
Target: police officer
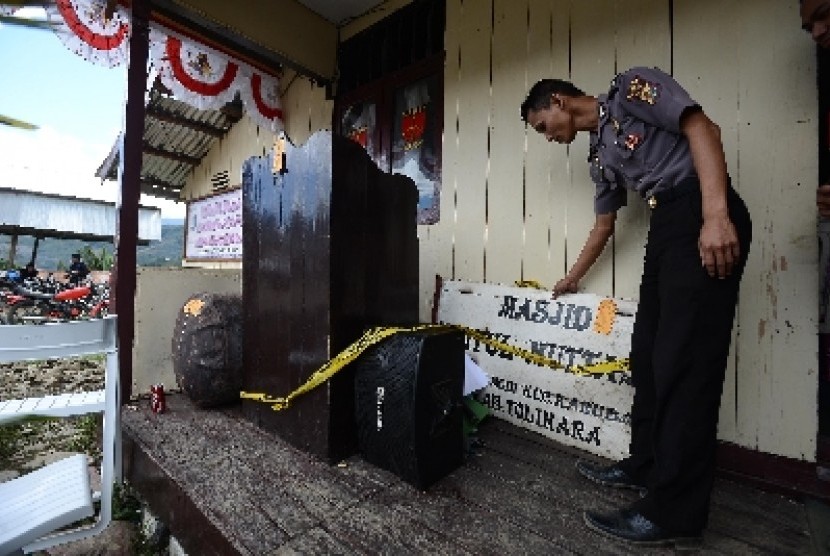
(29, 272)
(649, 136)
(78, 271)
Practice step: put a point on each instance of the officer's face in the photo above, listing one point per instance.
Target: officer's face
(815, 19)
(554, 122)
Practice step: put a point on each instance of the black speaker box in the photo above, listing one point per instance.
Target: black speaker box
(408, 404)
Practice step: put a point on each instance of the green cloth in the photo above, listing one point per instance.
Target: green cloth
(474, 413)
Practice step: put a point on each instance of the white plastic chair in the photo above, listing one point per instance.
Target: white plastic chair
(34, 506)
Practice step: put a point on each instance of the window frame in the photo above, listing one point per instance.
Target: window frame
(382, 92)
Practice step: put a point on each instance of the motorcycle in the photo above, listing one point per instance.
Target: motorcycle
(98, 303)
(30, 306)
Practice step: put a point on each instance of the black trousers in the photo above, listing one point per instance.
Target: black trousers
(679, 352)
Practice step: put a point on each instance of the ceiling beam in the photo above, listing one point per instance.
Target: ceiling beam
(164, 116)
(170, 155)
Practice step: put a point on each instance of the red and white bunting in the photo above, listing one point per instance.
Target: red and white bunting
(197, 75)
(83, 28)
(261, 97)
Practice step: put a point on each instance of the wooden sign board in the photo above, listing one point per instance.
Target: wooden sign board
(214, 227)
(591, 412)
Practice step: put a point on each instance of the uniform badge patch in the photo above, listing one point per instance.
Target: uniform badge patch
(643, 90)
(632, 141)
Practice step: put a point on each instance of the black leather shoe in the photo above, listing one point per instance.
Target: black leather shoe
(611, 476)
(632, 527)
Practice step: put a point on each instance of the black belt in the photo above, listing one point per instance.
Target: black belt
(689, 185)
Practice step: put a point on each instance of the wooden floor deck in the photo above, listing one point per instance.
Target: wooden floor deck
(226, 487)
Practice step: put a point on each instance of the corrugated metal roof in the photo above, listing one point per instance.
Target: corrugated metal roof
(46, 215)
(176, 138)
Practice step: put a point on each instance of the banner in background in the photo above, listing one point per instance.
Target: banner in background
(214, 227)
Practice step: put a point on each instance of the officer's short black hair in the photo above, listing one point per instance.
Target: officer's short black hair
(539, 95)
(76, 255)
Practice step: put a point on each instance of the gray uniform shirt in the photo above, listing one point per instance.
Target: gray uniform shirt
(638, 144)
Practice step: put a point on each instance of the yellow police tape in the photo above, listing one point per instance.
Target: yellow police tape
(530, 284)
(375, 335)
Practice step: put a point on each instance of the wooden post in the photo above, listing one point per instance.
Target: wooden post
(34, 249)
(13, 250)
(126, 234)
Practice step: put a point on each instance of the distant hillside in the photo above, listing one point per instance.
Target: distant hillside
(53, 254)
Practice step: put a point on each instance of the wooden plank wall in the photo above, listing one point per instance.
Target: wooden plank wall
(516, 208)
(305, 107)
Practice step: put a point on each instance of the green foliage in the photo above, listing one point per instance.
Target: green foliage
(10, 439)
(53, 254)
(125, 503)
(97, 261)
(16, 435)
(86, 438)
(126, 506)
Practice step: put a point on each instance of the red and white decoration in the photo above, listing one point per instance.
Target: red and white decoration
(197, 74)
(83, 28)
(261, 97)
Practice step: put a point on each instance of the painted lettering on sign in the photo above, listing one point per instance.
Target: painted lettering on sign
(543, 311)
(553, 412)
(570, 403)
(214, 227)
(475, 345)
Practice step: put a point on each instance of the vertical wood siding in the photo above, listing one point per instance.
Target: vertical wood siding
(305, 107)
(716, 88)
(514, 207)
(467, 156)
(244, 140)
(651, 19)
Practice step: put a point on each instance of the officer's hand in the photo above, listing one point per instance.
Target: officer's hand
(718, 246)
(565, 285)
(823, 200)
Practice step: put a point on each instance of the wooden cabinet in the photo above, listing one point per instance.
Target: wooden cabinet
(330, 250)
